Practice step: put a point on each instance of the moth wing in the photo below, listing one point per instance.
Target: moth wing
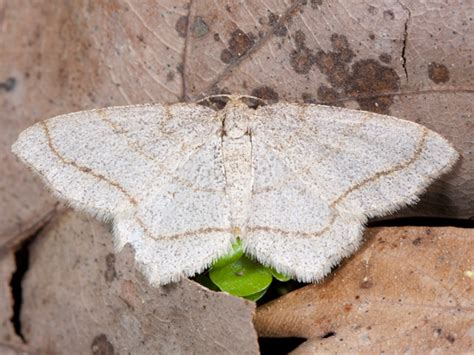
(124, 163)
(330, 169)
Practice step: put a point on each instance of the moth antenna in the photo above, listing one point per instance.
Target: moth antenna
(207, 98)
(252, 98)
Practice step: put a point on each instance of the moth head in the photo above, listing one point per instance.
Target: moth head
(236, 119)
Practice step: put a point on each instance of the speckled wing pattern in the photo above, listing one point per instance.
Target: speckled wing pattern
(320, 172)
(301, 181)
(154, 170)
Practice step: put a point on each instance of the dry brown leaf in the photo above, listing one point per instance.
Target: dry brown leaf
(410, 59)
(14, 350)
(81, 298)
(408, 290)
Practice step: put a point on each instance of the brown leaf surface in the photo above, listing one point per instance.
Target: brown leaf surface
(409, 59)
(80, 298)
(408, 290)
(7, 333)
(13, 350)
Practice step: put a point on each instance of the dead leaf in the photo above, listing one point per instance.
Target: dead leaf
(408, 289)
(79, 297)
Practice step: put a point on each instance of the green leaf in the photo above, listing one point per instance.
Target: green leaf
(243, 277)
(234, 255)
(278, 276)
(256, 296)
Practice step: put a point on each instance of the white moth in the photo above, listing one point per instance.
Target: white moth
(181, 182)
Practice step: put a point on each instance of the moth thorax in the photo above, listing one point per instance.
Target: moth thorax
(236, 120)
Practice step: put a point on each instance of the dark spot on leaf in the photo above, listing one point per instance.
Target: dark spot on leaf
(372, 10)
(226, 56)
(239, 44)
(368, 79)
(102, 346)
(170, 76)
(328, 335)
(301, 61)
(300, 39)
(438, 73)
(316, 3)
(372, 36)
(8, 85)
(180, 68)
(182, 26)
(366, 284)
(416, 241)
(110, 272)
(308, 98)
(335, 65)
(385, 58)
(341, 46)
(141, 38)
(266, 93)
(388, 15)
(279, 29)
(217, 38)
(450, 338)
(347, 307)
(364, 81)
(200, 27)
(302, 58)
(327, 94)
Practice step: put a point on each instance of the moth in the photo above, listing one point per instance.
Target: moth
(179, 183)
